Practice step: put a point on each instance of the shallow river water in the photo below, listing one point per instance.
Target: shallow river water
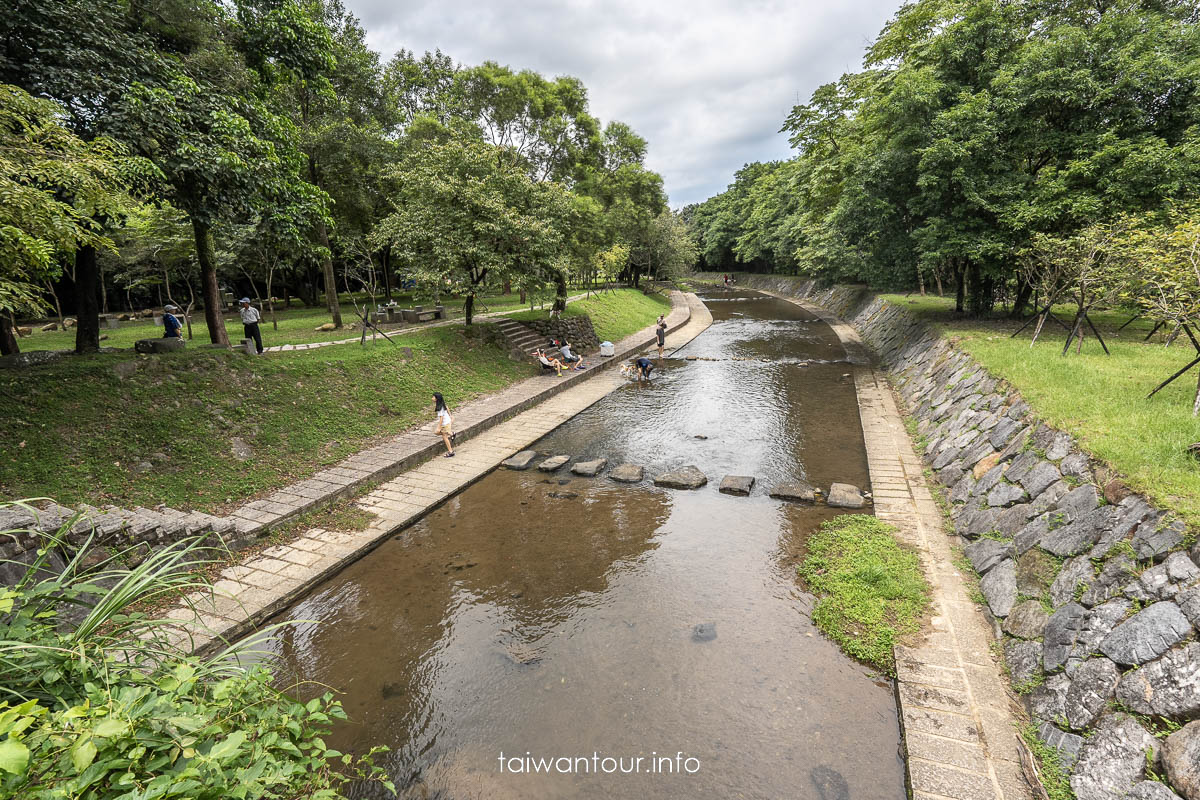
(553, 617)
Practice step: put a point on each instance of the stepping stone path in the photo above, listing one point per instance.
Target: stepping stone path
(736, 484)
(798, 491)
(688, 477)
(627, 473)
(553, 463)
(843, 495)
(521, 460)
(589, 469)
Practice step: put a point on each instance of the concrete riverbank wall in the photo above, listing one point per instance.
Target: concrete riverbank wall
(1093, 594)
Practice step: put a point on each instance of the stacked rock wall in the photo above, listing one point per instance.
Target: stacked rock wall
(1096, 600)
(577, 330)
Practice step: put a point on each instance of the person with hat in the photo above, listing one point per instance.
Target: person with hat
(250, 320)
(172, 327)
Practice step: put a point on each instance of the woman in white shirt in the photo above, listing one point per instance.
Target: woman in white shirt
(444, 423)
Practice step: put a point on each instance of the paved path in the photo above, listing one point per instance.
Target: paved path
(247, 594)
(959, 721)
(421, 326)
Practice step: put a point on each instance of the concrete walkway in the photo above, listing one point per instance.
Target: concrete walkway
(421, 326)
(959, 722)
(247, 594)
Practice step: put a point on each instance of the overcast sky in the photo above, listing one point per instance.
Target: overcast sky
(707, 82)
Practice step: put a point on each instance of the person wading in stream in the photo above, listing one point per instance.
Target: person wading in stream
(444, 423)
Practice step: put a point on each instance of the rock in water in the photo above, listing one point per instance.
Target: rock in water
(798, 491)
(627, 473)
(844, 495)
(688, 477)
(736, 484)
(704, 632)
(589, 469)
(521, 460)
(553, 463)
(829, 783)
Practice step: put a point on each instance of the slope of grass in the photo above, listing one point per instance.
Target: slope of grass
(1100, 399)
(614, 315)
(870, 590)
(86, 428)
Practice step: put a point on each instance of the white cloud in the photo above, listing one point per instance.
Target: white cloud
(708, 83)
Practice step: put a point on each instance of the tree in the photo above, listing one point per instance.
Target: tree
(465, 213)
(53, 187)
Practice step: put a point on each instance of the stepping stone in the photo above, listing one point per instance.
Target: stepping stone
(704, 632)
(688, 477)
(521, 460)
(798, 491)
(844, 495)
(589, 469)
(553, 463)
(627, 473)
(736, 484)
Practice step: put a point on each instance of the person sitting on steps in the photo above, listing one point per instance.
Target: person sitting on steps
(547, 362)
(568, 357)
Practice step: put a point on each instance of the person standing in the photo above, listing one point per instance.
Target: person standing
(250, 320)
(445, 423)
(172, 327)
(660, 331)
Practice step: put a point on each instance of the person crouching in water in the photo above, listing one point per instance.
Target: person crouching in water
(644, 368)
(250, 320)
(445, 423)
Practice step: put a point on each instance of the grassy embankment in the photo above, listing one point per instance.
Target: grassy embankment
(86, 429)
(615, 315)
(1100, 399)
(870, 589)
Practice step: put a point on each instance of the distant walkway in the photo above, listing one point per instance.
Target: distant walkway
(420, 326)
(490, 430)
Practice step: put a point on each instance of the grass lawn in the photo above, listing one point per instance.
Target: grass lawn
(1100, 399)
(82, 429)
(614, 315)
(870, 590)
(296, 325)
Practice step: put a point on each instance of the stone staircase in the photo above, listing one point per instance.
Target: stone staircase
(520, 339)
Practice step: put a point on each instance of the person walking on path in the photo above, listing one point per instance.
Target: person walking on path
(661, 332)
(172, 327)
(250, 320)
(445, 422)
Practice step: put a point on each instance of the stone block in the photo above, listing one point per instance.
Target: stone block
(844, 495)
(152, 346)
(553, 463)
(1147, 634)
(589, 469)
(687, 477)
(798, 491)
(736, 485)
(627, 473)
(521, 460)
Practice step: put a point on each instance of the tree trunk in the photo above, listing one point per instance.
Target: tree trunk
(469, 306)
(331, 293)
(8, 337)
(103, 293)
(560, 291)
(960, 292)
(87, 317)
(508, 288)
(209, 288)
(981, 295)
(62, 323)
(384, 260)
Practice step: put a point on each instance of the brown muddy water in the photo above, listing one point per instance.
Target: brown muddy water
(552, 620)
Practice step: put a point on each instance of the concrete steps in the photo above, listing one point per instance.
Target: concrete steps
(518, 337)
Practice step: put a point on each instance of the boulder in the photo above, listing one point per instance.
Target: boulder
(49, 326)
(999, 587)
(1068, 745)
(1117, 572)
(553, 463)
(989, 479)
(1035, 573)
(1189, 604)
(689, 477)
(165, 345)
(1169, 686)
(1079, 536)
(1059, 446)
(1039, 478)
(736, 484)
(627, 473)
(1098, 623)
(1048, 701)
(1092, 685)
(1073, 580)
(845, 495)
(1151, 790)
(985, 465)
(987, 553)
(1024, 661)
(1113, 759)
(589, 469)
(1005, 494)
(1078, 502)
(1181, 757)
(1013, 519)
(1062, 629)
(521, 460)
(1147, 634)
(1027, 620)
(1153, 539)
(798, 491)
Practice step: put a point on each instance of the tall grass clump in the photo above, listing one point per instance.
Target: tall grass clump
(100, 701)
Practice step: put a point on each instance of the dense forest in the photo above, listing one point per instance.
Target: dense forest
(991, 149)
(169, 150)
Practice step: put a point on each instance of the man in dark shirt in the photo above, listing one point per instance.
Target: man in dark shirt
(172, 327)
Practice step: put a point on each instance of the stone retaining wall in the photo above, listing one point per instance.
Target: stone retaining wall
(1093, 593)
(577, 330)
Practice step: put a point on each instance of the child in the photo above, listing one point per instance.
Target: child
(444, 423)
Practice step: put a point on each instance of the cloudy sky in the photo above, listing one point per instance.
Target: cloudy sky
(707, 82)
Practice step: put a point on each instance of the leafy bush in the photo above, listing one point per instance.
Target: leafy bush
(103, 702)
